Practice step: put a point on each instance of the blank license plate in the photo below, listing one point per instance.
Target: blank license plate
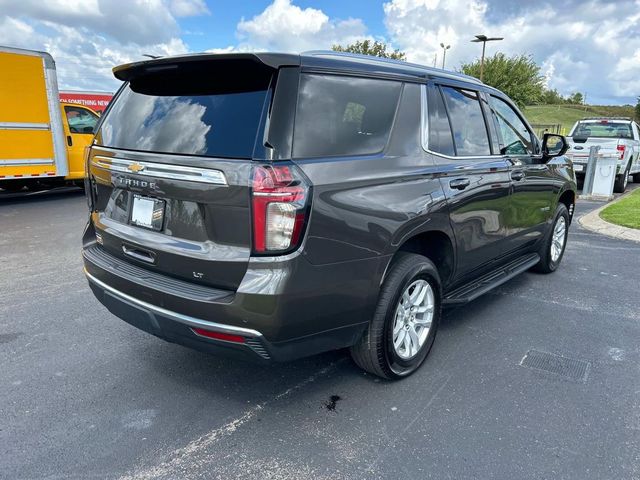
(578, 168)
(147, 212)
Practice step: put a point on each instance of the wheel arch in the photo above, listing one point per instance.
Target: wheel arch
(568, 198)
(437, 246)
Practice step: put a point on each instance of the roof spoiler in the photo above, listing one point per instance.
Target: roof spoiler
(627, 119)
(129, 71)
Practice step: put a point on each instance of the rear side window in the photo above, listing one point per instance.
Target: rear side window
(467, 121)
(343, 115)
(194, 120)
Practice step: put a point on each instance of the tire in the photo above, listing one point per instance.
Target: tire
(636, 178)
(13, 186)
(375, 351)
(550, 261)
(622, 181)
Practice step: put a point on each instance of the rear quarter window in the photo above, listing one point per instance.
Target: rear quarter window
(440, 139)
(339, 116)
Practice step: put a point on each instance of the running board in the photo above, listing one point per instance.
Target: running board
(489, 281)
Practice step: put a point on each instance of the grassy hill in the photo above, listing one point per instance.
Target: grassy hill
(567, 115)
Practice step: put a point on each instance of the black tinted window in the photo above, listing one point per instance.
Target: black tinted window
(215, 124)
(440, 139)
(343, 115)
(469, 128)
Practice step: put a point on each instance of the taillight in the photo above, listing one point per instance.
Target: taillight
(621, 150)
(280, 196)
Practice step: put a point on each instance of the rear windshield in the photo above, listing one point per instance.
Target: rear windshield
(203, 120)
(603, 130)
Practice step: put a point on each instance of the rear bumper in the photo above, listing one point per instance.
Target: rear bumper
(580, 167)
(326, 310)
(177, 328)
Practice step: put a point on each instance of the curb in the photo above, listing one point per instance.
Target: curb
(592, 221)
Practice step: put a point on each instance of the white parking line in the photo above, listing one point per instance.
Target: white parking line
(184, 458)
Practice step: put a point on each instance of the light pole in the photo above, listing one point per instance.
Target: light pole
(484, 39)
(444, 53)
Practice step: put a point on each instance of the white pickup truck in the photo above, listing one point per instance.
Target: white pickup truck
(615, 136)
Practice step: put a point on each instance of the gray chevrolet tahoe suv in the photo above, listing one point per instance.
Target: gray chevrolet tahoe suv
(275, 206)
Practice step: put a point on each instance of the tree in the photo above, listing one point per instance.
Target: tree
(637, 110)
(552, 97)
(376, 49)
(575, 99)
(518, 76)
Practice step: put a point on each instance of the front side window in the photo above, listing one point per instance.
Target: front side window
(467, 122)
(339, 115)
(516, 136)
(80, 120)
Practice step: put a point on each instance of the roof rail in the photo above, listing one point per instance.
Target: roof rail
(388, 61)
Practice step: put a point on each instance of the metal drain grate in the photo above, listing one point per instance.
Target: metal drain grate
(563, 366)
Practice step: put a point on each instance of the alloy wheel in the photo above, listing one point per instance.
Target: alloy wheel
(413, 318)
(559, 236)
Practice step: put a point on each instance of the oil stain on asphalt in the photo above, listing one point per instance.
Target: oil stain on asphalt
(331, 404)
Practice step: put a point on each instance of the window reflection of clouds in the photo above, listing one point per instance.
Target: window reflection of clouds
(167, 124)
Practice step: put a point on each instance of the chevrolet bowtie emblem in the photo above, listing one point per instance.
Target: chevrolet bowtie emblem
(135, 167)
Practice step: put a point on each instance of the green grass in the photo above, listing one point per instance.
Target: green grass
(626, 212)
(567, 115)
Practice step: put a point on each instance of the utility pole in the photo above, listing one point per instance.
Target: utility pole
(435, 59)
(484, 39)
(444, 53)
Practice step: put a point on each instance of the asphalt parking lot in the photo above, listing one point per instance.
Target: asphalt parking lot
(86, 396)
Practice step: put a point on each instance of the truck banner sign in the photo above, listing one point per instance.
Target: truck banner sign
(96, 101)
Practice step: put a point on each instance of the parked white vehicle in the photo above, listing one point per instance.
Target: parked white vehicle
(615, 136)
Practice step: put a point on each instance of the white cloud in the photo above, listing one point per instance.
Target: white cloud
(188, 8)
(88, 38)
(283, 26)
(591, 46)
(136, 21)
(586, 46)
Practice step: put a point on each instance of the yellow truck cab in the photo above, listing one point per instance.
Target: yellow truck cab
(79, 124)
(41, 140)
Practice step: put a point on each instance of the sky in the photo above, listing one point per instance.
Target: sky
(587, 46)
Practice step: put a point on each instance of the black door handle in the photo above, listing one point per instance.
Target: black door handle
(517, 175)
(69, 140)
(459, 183)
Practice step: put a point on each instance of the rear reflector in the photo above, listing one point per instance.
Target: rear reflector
(218, 336)
(621, 149)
